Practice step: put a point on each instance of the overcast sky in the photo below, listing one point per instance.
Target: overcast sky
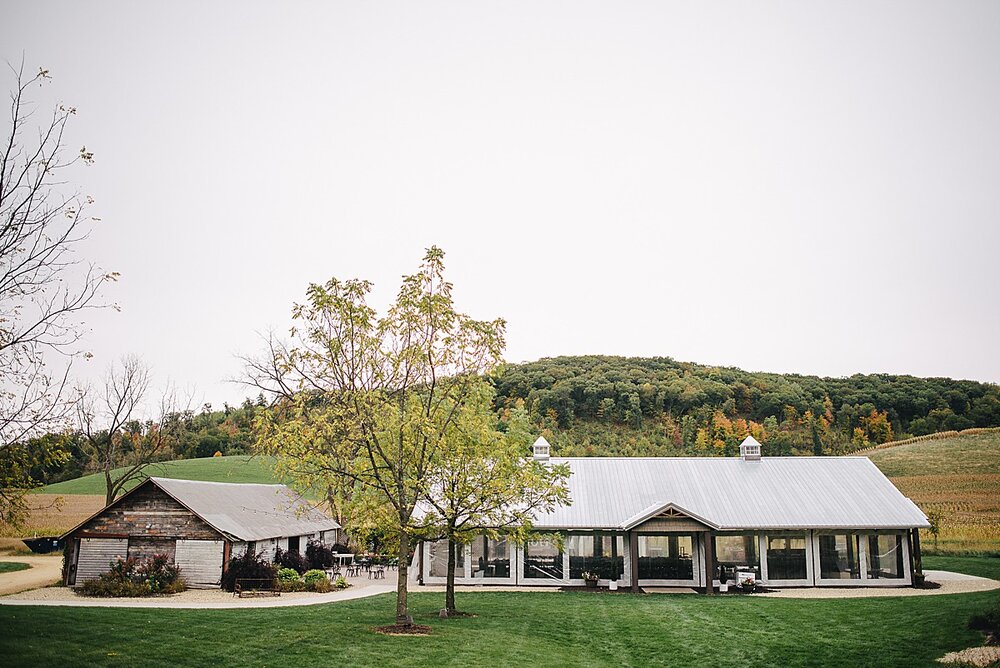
(793, 187)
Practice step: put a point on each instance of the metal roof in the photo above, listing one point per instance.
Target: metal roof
(728, 493)
(248, 511)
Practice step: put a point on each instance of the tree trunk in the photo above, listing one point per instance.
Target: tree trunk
(402, 613)
(449, 596)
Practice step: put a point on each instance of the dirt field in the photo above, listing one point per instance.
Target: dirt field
(53, 514)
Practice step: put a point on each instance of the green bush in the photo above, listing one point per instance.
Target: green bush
(287, 575)
(291, 585)
(130, 578)
(249, 566)
(314, 575)
(340, 582)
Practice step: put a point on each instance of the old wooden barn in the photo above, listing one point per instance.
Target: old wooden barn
(197, 524)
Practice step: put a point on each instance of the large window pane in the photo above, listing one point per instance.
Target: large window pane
(885, 557)
(599, 553)
(737, 553)
(786, 557)
(838, 557)
(543, 559)
(438, 558)
(490, 558)
(666, 557)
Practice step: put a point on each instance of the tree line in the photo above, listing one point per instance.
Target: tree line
(594, 405)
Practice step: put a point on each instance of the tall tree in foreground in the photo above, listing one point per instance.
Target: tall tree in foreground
(119, 441)
(365, 403)
(44, 288)
(483, 483)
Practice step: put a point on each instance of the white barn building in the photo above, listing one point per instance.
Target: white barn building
(681, 521)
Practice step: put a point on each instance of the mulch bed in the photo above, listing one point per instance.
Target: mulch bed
(403, 630)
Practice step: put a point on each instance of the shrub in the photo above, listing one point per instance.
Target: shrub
(340, 582)
(291, 585)
(340, 548)
(248, 566)
(314, 575)
(287, 575)
(161, 575)
(293, 560)
(129, 577)
(987, 622)
(319, 555)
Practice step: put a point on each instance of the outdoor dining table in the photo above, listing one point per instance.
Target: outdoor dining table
(343, 559)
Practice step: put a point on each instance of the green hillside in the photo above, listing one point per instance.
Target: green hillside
(600, 405)
(237, 468)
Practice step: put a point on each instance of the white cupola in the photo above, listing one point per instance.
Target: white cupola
(540, 449)
(750, 449)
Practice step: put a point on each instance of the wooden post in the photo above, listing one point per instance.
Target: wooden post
(633, 555)
(918, 567)
(709, 562)
(420, 562)
(227, 551)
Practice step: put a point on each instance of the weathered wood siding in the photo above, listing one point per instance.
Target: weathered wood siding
(670, 524)
(96, 556)
(150, 513)
(200, 561)
(141, 548)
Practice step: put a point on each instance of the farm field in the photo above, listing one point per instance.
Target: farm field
(958, 477)
(237, 468)
(552, 629)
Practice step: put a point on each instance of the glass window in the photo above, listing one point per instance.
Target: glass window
(737, 553)
(490, 558)
(666, 557)
(599, 553)
(437, 554)
(885, 556)
(838, 557)
(543, 559)
(786, 557)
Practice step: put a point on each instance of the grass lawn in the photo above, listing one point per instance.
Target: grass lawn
(551, 629)
(11, 566)
(236, 468)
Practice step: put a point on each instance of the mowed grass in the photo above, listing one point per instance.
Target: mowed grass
(235, 468)
(11, 566)
(523, 628)
(958, 477)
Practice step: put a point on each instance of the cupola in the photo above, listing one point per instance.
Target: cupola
(540, 449)
(750, 449)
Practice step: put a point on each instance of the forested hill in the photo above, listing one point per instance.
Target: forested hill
(598, 405)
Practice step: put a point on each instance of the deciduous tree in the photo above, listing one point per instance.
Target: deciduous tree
(119, 440)
(481, 482)
(44, 287)
(364, 403)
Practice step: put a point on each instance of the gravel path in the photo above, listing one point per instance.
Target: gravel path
(951, 583)
(204, 599)
(44, 571)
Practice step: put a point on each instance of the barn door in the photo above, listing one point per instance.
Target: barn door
(200, 561)
(97, 555)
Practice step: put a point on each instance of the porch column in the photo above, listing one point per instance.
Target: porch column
(420, 562)
(709, 562)
(918, 567)
(633, 556)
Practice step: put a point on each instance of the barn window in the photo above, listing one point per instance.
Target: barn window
(666, 557)
(885, 556)
(786, 557)
(839, 557)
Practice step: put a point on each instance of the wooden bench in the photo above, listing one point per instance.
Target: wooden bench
(255, 588)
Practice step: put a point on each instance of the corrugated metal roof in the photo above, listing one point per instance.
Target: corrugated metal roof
(730, 493)
(248, 511)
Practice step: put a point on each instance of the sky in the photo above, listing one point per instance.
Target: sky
(779, 186)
